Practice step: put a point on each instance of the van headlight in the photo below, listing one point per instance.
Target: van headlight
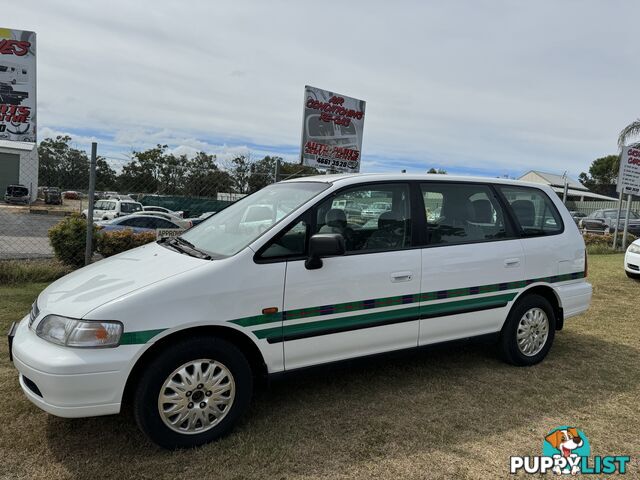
(79, 333)
(633, 248)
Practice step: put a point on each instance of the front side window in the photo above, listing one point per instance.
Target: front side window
(238, 225)
(292, 243)
(533, 210)
(369, 217)
(462, 213)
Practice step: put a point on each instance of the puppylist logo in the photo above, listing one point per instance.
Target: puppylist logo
(566, 451)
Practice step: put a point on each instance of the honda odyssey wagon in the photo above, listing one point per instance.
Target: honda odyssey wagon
(183, 327)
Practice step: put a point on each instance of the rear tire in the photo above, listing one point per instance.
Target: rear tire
(193, 393)
(528, 332)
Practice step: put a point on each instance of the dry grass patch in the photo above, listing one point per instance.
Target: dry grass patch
(448, 412)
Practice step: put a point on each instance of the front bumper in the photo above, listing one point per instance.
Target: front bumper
(70, 382)
(632, 262)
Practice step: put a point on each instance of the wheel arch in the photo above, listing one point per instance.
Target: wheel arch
(550, 294)
(232, 335)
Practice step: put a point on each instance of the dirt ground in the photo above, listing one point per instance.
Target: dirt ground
(447, 412)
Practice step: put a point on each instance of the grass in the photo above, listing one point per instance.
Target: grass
(450, 412)
(15, 272)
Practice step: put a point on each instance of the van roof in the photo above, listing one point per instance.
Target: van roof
(355, 178)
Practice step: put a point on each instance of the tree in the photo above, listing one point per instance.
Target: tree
(240, 171)
(61, 165)
(628, 132)
(204, 178)
(295, 170)
(106, 177)
(602, 175)
(440, 171)
(142, 172)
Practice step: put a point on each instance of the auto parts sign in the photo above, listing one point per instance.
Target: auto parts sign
(17, 85)
(332, 127)
(629, 174)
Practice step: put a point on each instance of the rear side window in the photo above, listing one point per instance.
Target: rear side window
(129, 207)
(533, 210)
(462, 213)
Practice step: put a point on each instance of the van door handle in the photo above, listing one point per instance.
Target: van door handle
(511, 262)
(401, 276)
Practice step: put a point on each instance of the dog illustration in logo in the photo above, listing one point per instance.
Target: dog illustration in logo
(566, 441)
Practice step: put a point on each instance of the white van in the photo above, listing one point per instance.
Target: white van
(183, 327)
(13, 73)
(112, 208)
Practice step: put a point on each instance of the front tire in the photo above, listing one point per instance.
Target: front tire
(193, 393)
(528, 332)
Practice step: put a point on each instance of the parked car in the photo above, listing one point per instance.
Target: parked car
(632, 260)
(182, 222)
(17, 194)
(139, 223)
(604, 221)
(52, 196)
(577, 216)
(198, 220)
(112, 208)
(71, 195)
(155, 208)
(375, 209)
(182, 327)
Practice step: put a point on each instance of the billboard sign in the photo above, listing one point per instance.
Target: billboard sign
(17, 85)
(332, 126)
(629, 173)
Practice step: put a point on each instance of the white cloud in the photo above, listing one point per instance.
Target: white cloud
(490, 84)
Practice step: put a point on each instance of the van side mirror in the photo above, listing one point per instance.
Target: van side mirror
(323, 245)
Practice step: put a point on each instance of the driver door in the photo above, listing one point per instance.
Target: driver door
(365, 301)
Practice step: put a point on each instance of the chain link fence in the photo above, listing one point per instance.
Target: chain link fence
(152, 191)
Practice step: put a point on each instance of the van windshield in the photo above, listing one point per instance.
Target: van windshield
(235, 227)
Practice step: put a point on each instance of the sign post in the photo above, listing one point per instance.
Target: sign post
(629, 183)
(332, 126)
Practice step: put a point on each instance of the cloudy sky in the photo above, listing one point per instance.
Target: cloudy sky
(482, 87)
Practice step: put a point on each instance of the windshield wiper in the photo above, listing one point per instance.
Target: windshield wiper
(187, 247)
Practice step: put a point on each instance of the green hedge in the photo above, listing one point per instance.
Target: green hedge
(112, 243)
(602, 244)
(68, 240)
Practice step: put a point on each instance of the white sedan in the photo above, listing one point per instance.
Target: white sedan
(632, 260)
(155, 208)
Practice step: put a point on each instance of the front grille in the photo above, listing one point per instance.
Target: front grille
(31, 386)
(633, 267)
(33, 314)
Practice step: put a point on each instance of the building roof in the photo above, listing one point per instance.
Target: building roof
(11, 145)
(556, 180)
(581, 193)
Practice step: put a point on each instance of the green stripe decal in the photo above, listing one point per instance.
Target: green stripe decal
(441, 309)
(356, 306)
(137, 338)
(363, 320)
(351, 321)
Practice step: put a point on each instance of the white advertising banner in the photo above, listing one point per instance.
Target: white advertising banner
(17, 85)
(332, 126)
(629, 173)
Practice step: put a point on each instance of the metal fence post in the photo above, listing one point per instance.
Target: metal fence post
(615, 232)
(626, 223)
(92, 186)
